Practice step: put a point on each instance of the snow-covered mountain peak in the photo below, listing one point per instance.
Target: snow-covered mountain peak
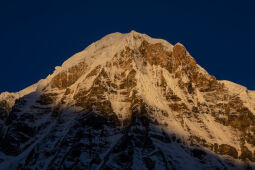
(111, 44)
(128, 100)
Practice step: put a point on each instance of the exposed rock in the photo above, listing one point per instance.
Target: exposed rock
(4, 109)
(66, 78)
(47, 98)
(245, 153)
(225, 149)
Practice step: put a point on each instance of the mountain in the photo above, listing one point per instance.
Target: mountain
(129, 101)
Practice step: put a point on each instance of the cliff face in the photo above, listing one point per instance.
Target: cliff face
(128, 101)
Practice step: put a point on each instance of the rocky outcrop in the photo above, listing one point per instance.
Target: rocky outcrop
(225, 149)
(4, 109)
(67, 78)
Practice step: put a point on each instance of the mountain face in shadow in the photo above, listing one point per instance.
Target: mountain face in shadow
(128, 101)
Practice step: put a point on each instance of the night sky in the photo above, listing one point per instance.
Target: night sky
(36, 36)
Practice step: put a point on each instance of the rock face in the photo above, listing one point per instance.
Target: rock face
(129, 101)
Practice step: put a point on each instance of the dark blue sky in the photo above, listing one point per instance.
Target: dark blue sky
(37, 36)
